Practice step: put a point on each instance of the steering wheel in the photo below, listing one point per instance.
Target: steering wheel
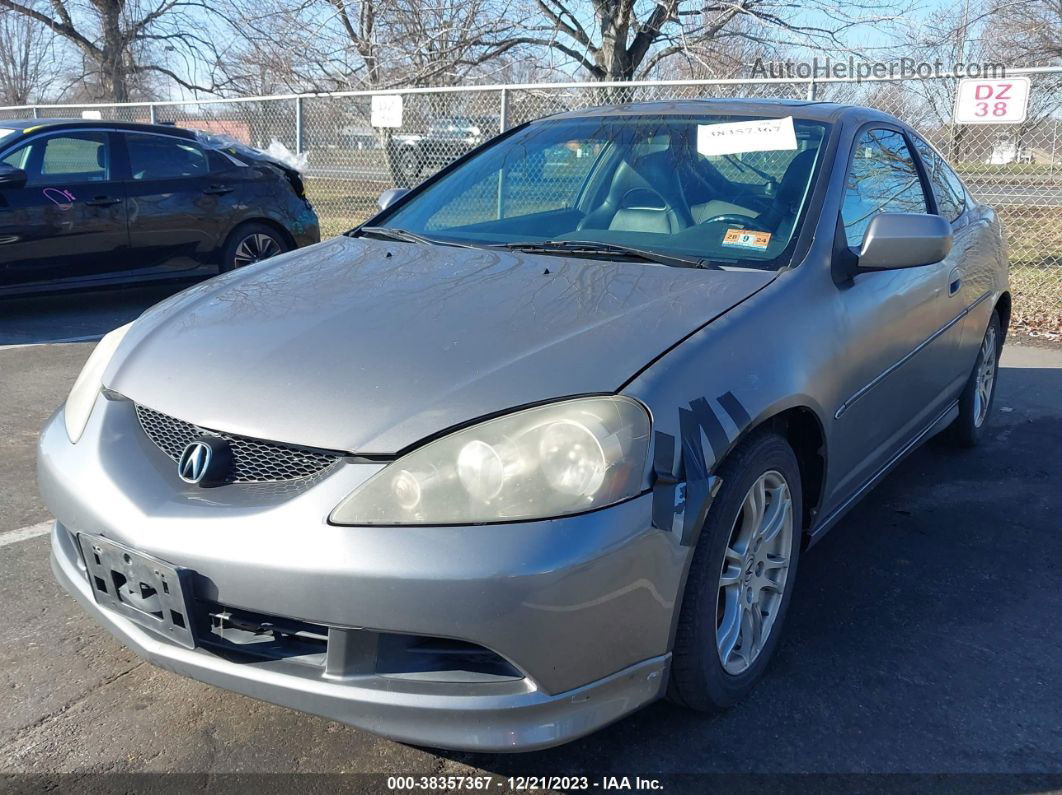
(737, 218)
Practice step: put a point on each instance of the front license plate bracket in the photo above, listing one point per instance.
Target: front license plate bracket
(143, 589)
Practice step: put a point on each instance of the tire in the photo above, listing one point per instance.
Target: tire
(409, 165)
(252, 242)
(975, 403)
(699, 678)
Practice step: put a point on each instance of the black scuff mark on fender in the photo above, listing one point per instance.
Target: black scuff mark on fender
(666, 503)
(695, 471)
(701, 413)
(683, 490)
(732, 406)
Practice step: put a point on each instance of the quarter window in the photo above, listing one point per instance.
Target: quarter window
(882, 179)
(951, 196)
(161, 157)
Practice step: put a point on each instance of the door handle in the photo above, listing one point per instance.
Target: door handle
(102, 201)
(954, 282)
(217, 190)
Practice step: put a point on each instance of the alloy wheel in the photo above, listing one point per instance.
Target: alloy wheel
(986, 377)
(255, 247)
(754, 572)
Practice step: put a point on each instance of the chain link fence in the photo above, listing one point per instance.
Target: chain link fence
(348, 162)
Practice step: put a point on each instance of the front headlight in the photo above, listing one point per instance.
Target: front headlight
(547, 461)
(82, 395)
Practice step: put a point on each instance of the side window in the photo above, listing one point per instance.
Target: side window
(162, 157)
(951, 197)
(882, 179)
(958, 190)
(64, 158)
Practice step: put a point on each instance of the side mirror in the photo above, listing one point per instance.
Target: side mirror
(390, 196)
(904, 240)
(11, 177)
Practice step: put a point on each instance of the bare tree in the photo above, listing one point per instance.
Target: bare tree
(1030, 31)
(327, 45)
(27, 60)
(730, 54)
(446, 41)
(629, 38)
(304, 45)
(1009, 32)
(123, 40)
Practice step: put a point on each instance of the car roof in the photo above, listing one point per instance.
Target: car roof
(35, 125)
(768, 108)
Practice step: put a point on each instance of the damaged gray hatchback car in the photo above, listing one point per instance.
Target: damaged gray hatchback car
(544, 440)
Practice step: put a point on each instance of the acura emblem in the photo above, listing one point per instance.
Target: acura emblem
(205, 462)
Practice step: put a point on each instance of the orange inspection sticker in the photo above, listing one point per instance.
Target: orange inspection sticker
(747, 238)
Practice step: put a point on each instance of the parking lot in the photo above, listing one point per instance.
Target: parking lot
(925, 634)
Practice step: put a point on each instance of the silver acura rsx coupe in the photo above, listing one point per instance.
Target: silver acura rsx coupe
(543, 441)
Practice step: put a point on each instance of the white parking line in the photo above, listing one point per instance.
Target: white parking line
(25, 533)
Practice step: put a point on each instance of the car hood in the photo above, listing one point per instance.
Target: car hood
(370, 346)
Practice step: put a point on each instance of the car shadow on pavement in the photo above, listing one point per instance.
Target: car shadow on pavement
(75, 316)
(925, 633)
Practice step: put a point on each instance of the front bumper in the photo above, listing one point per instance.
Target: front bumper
(581, 607)
(490, 722)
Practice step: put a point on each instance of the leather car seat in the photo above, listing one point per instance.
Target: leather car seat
(790, 191)
(645, 210)
(644, 196)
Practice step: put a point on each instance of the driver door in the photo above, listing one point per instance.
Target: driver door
(900, 331)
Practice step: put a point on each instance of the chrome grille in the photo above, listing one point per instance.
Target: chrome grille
(253, 460)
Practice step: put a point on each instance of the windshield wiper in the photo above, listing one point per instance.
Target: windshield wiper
(595, 248)
(394, 233)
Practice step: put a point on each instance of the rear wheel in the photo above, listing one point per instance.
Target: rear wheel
(250, 243)
(741, 577)
(977, 397)
(409, 164)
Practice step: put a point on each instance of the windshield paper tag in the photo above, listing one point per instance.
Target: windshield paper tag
(747, 238)
(765, 135)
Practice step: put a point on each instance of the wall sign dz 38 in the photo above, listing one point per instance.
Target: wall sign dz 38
(992, 101)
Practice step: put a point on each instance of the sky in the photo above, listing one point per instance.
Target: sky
(871, 39)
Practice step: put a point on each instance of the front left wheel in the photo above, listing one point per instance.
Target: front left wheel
(741, 577)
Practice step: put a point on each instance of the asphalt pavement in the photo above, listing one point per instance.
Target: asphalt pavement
(925, 634)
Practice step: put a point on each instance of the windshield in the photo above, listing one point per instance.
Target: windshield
(725, 189)
(6, 132)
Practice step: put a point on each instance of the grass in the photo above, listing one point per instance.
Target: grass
(342, 204)
(1034, 242)
(349, 158)
(1008, 169)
